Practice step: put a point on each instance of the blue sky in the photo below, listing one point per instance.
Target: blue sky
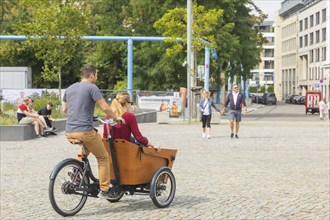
(269, 7)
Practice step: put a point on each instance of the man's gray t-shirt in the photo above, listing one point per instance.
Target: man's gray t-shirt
(80, 98)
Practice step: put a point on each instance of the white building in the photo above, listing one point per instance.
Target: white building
(302, 47)
(263, 74)
(313, 52)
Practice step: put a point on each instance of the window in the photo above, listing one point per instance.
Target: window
(311, 21)
(317, 37)
(300, 42)
(306, 23)
(269, 40)
(317, 55)
(324, 15)
(269, 64)
(269, 53)
(311, 38)
(321, 73)
(311, 56)
(301, 25)
(324, 34)
(317, 19)
(306, 40)
(324, 53)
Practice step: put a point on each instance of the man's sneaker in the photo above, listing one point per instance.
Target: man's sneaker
(54, 129)
(232, 135)
(47, 129)
(40, 137)
(236, 136)
(110, 194)
(208, 136)
(203, 136)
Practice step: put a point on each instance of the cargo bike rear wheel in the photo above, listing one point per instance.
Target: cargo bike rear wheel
(67, 190)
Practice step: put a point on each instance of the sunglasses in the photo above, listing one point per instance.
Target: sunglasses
(235, 87)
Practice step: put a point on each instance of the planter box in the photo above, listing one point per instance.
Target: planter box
(26, 132)
(163, 117)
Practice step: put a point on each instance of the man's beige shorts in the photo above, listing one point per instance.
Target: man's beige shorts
(26, 121)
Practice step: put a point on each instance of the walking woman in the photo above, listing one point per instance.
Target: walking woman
(205, 107)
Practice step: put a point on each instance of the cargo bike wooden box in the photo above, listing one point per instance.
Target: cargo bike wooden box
(133, 170)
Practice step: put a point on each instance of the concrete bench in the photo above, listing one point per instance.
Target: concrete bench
(163, 117)
(146, 117)
(26, 132)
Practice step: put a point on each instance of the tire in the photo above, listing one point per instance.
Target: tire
(62, 188)
(117, 198)
(162, 187)
(116, 195)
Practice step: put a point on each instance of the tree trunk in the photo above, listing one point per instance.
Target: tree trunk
(59, 89)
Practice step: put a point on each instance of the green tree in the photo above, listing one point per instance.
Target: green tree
(173, 25)
(54, 32)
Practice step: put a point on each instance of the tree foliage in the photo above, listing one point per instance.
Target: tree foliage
(173, 25)
(54, 32)
(227, 24)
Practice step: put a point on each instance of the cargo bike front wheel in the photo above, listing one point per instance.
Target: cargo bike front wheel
(162, 187)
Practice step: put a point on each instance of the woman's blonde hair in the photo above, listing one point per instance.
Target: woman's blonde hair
(117, 104)
(205, 92)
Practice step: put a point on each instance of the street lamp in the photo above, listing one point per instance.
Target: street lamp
(189, 33)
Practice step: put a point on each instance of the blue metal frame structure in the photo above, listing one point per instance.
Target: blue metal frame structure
(130, 41)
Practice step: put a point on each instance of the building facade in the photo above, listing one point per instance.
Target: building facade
(263, 74)
(302, 48)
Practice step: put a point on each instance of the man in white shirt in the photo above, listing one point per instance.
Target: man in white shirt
(322, 108)
(236, 102)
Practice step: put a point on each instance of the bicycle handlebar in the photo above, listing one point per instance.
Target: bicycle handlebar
(109, 121)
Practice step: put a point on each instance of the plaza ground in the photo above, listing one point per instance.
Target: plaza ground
(275, 170)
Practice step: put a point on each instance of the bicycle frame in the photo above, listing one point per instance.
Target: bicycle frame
(113, 154)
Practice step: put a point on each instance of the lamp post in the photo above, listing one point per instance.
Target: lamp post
(189, 33)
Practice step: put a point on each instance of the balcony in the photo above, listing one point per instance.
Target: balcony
(290, 6)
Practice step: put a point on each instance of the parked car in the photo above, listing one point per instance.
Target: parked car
(302, 100)
(296, 99)
(259, 99)
(289, 98)
(269, 98)
(253, 98)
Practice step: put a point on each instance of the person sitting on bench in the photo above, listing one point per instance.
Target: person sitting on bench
(26, 117)
(46, 112)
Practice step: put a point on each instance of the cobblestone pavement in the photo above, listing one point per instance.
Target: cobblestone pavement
(275, 170)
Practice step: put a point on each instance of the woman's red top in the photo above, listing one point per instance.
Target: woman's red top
(124, 131)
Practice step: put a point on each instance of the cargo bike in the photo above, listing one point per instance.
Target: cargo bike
(133, 170)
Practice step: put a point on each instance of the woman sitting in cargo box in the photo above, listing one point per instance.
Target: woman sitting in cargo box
(121, 106)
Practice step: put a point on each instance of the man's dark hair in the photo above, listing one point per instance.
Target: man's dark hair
(87, 70)
(50, 104)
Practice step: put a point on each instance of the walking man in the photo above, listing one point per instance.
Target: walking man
(322, 109)
(236, 102)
